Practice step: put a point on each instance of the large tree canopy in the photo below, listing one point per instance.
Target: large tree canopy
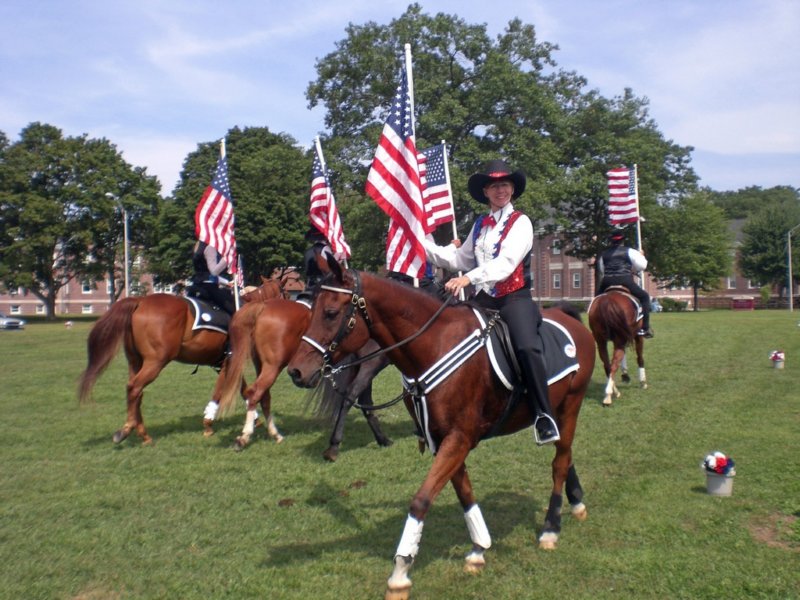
(489, 98)
(56, 220)
(269, 179)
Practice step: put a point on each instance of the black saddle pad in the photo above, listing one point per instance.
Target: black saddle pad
(208, 315)
(560, 355)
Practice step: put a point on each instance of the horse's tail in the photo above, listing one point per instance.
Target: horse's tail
(240, 340)
(103, 342)
(616, 321)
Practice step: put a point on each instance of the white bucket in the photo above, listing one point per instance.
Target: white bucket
(719, 485)
(778, 364)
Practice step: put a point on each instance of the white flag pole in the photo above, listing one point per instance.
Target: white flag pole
(638, 215)
(318, 146)
(235, 274)
(410, 80)
(450, 192)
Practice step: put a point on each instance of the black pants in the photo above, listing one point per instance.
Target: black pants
(222, 297)
(642, 296)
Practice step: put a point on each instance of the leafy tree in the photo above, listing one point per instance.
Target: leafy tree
(269, 179)
(763, 254)
(54, 226)
(690, 244)
(750, 200)
(487, 98)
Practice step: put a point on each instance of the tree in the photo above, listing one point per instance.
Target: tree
(492, 98)
(53, 228)
(690, 244)
(763, 253)
(270, 183)
(748, 201)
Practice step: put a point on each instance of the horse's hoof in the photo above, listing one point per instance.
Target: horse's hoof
(626, 378)
(579, 512)
(240, 444)
(147, 441)
(120, 436)
(643, 385)
(606, 401)
(208, 427)
(278, 438)
(548, 541)
(474, 564)
(385, 443)
(331, 454)
(397, 594)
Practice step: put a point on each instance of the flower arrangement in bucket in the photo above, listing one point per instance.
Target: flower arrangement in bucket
(720, 470)
(777, 357)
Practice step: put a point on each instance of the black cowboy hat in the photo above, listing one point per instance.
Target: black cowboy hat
(314, 235)
(495, 170)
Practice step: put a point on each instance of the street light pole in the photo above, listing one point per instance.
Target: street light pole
(127, 261)
(125, 241)
(789, 266)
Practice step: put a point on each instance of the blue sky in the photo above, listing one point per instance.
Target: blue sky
(157, 77)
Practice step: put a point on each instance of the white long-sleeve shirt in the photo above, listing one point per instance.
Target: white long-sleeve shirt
(477, 259)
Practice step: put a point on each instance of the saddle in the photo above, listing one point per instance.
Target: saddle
(208, 315)
(621, 289)
(560, 358)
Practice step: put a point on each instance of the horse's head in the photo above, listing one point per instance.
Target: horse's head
(339, 326)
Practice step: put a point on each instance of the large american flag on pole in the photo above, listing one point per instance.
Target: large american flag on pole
(437, 199)
(323, 214)
(393, 183)
(213, 218)
(623, 204)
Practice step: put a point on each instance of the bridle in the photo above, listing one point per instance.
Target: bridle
(358, 306)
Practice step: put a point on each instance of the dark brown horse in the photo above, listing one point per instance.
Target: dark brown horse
(269, 334)
(154, 330)
(613, 317)
(455, 413)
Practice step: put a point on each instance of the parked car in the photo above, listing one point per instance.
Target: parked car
(11, 322)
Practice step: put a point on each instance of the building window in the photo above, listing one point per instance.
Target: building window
(108, 286)
(40, 309)
(753, 285)
(576, 281)
(86, 309)
(556, 281)
(555, 249)
(14, 309)
(86, 287)
(732, 282)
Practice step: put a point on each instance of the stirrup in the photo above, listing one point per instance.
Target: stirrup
(553, 437)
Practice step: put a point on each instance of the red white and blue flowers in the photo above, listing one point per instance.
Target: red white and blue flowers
(719, 463)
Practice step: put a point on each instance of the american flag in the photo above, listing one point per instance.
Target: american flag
(393, 183)
(213, 218)
(323, 213)
(623, 205)
(437, 199)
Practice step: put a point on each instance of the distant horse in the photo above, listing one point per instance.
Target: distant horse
(155, 330)
(614, 317)
(269, 334)
(454, 407)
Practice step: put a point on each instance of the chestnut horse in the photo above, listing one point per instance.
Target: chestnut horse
(269, 333)
(155, 330)
(614, 317)
(457, 411)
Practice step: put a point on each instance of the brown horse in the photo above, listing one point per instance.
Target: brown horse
(155, 330)
(455, 412)
(269, 334)
(613, 317)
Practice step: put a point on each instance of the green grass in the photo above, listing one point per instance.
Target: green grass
(188, 518)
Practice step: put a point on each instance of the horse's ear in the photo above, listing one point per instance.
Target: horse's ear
(334, 266)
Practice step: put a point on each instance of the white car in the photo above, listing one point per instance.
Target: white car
(7, 322)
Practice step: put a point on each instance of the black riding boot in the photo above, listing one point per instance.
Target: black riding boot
(544, 425)
(646, 331)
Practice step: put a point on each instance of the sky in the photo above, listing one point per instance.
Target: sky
(158, 77)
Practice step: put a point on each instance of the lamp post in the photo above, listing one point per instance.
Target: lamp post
(125, 242)
(789, 266)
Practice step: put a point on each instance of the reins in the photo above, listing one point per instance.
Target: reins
(358, 302)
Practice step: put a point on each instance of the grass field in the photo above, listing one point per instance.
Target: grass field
(188, 518)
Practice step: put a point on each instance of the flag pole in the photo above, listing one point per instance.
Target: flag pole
(638, 215)
(453, 222)
(318, 147)
(236, 302)
(410, 80)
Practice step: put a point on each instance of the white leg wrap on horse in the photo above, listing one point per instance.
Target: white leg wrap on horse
(210, 412)
(477, 527)
(641, 374)
(409, 542)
